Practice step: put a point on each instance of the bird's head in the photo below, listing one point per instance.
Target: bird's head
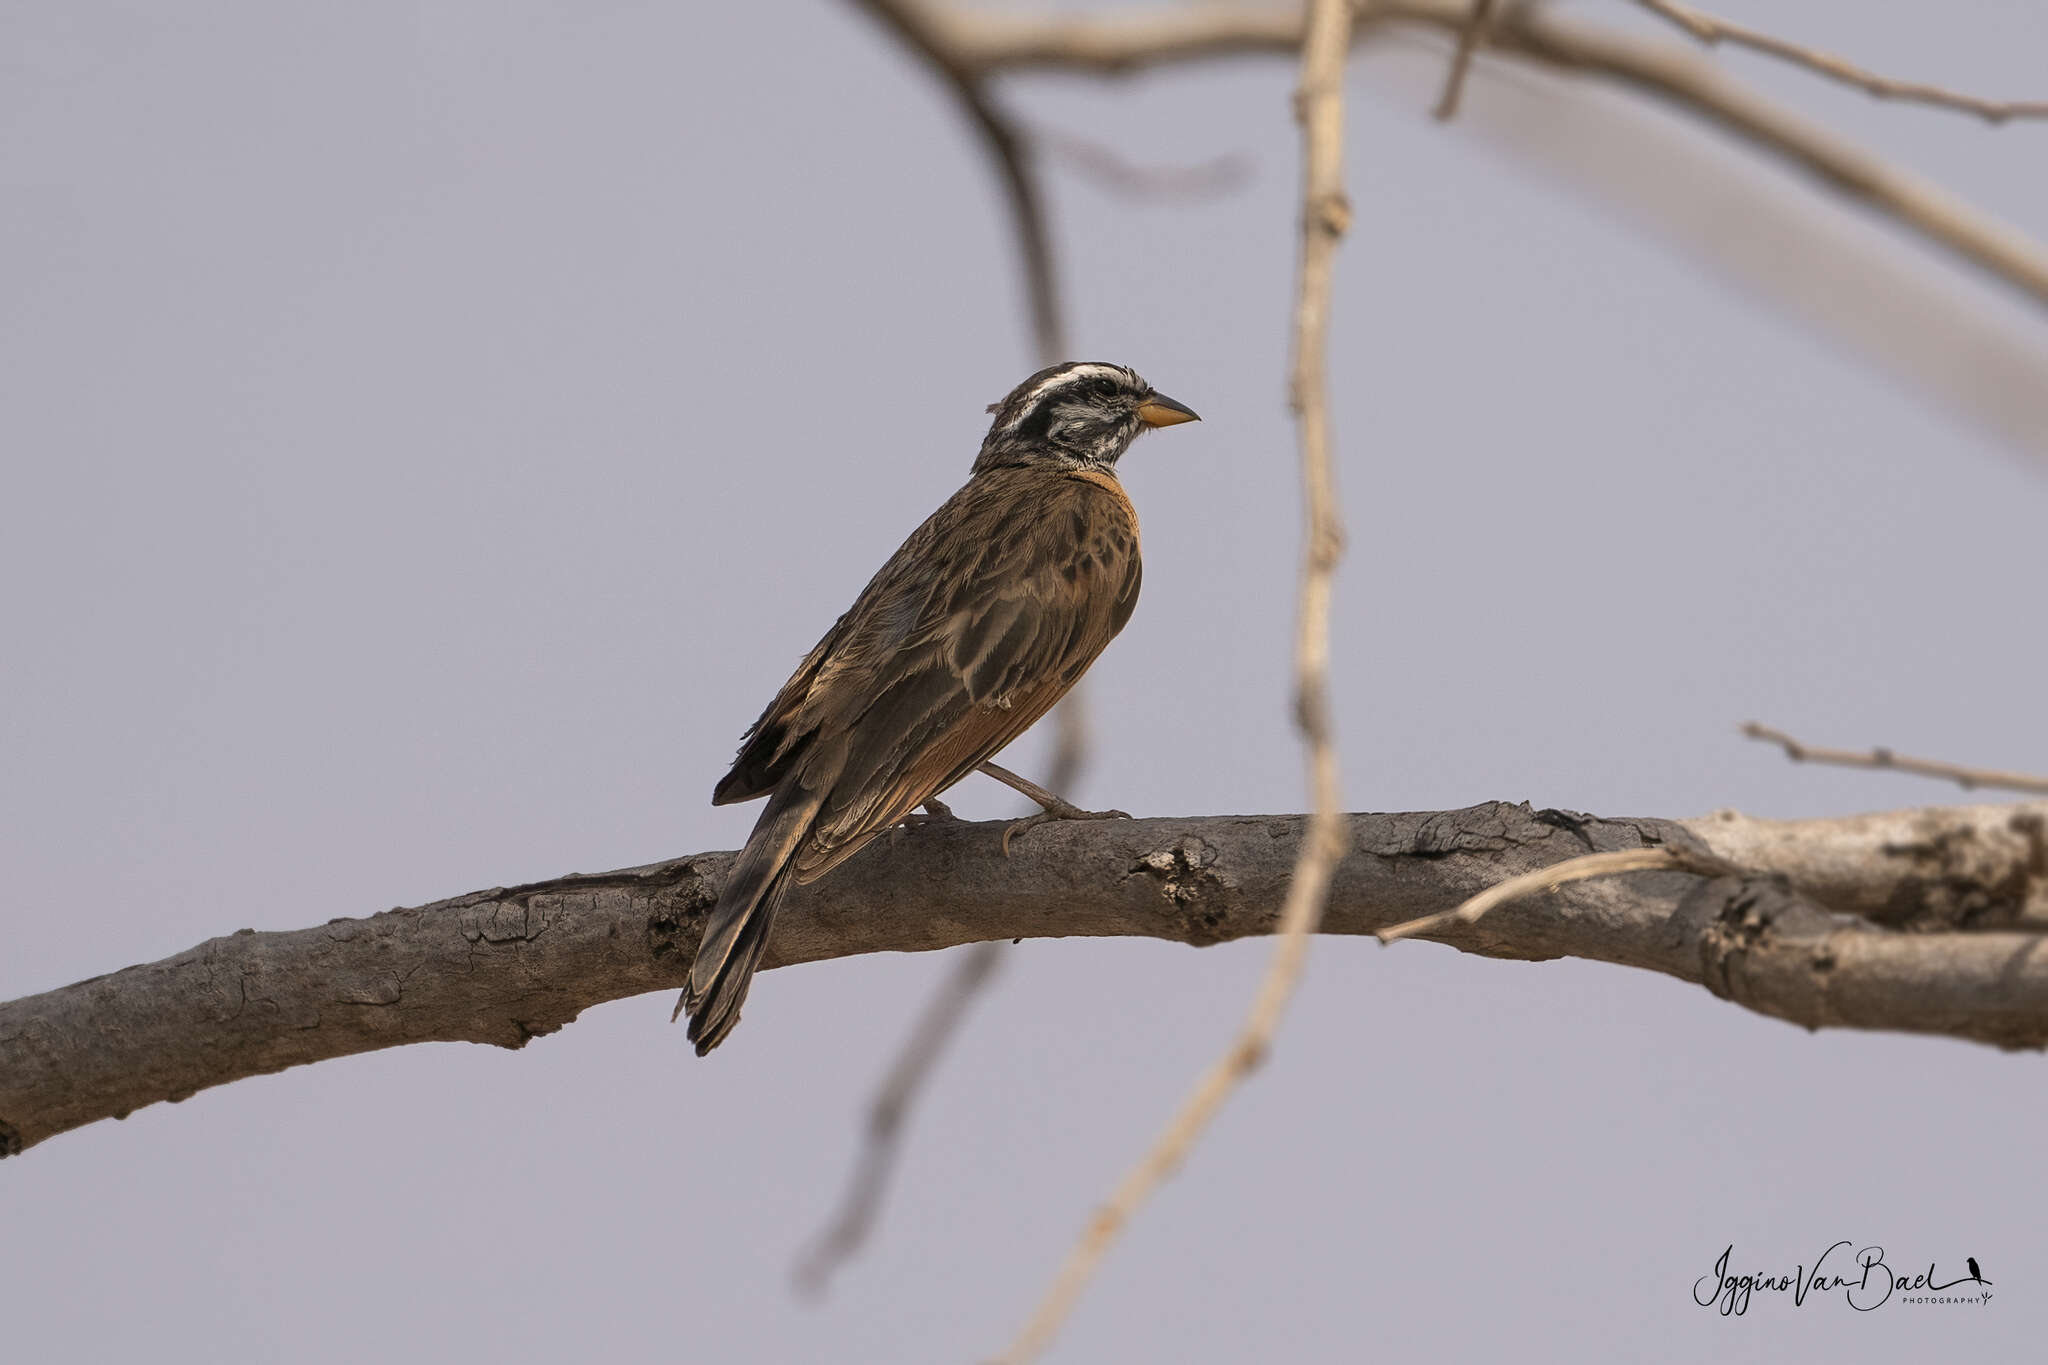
(1081, 413)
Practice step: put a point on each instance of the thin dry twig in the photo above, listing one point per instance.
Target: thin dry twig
(928, 32)
(849, 1228)
(1469, 38)
(1712, 31)
(1558, 874)
(973, 968)
(967, 48)
(1968, 778)
(1094, 161)
(1117, 44)
(976, 965)
(1325, 216)
(1699, 88)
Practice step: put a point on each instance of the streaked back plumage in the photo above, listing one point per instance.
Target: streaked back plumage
(984, 617)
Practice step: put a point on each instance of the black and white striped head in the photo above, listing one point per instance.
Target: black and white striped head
(1083, 413)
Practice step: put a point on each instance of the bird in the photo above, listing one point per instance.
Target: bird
(981, 620)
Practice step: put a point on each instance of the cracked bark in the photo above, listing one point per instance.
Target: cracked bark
(1923, 920)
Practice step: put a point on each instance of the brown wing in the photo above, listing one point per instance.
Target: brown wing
(765, 754)
(1012, 591)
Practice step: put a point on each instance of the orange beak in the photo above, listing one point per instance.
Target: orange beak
(1160, 411)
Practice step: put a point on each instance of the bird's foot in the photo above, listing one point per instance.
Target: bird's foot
(1055, 809)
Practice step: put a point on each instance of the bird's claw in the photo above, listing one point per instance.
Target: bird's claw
(1063, 811)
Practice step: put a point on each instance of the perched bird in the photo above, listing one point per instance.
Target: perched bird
(973, 629)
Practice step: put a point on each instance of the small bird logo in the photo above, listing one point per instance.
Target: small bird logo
(983, 619)
(1975, 1273)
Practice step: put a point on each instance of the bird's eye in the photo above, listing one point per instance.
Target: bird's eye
(1102, 388)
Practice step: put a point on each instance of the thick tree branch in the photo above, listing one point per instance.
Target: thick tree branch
(1925, 921)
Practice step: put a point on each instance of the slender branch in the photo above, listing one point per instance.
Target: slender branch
(1211, 179)
(1469, 38)
(973, 968)
(849, 1228)
(1924, 921)
(1552, 877)
(1967, 778)
(1120, 43)
(923, 31)
(1711, 30)
(928, 31)
(1696, 87)
(1325, 213)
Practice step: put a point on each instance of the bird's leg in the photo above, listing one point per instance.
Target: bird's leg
(1051, 807)
(936, 812)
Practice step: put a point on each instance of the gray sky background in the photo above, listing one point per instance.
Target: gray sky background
(432, 432)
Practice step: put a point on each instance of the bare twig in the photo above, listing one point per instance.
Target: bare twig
(1469, 38)
(1210, 179)
(928, 31)
(849, 1228)
(1698, 88)
(923, 31)
(1070, 739)
(1325, 215)
(973, 967)
(1711, 30)
(1117, 44)
(1554, 876)
(1967, 778)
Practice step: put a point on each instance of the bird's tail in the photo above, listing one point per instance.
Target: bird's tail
(738, 930)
